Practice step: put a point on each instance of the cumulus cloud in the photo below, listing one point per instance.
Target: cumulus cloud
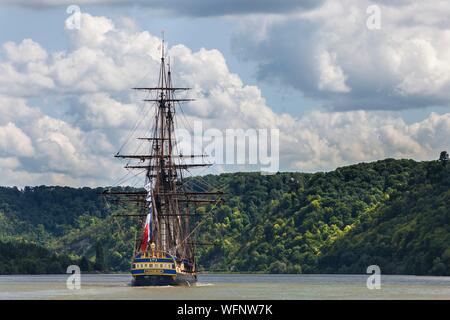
(35, 145)
(334, 139)
(329, 50)
(332, 77)
(14, 141)
(24, 71)
(92, 80)
(99, 110)
(26, 51)
(9, 163)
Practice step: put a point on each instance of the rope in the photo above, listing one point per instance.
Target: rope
(198, 225)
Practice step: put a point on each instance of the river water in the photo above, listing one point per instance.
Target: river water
(229, 286)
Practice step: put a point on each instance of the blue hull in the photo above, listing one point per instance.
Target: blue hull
(155, 280)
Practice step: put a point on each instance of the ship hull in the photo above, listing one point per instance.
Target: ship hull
(157, 280)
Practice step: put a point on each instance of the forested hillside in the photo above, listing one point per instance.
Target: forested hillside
(28, 258)
(408, 234)
(394, 213)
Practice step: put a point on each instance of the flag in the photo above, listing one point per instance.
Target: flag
(148, 187)
(147, 232)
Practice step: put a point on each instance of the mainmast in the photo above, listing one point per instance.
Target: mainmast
(166, 192)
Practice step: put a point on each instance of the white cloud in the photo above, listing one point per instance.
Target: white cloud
(9, 163)
(332, 77)
(16, 110)
(36, 146)
(26, 51)
(13, 141)
(329, 50)
(99, 110)
(93, 78)
(326, 140)
(24, 70)
(27, 79)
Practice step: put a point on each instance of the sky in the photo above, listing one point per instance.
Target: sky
(343, 81)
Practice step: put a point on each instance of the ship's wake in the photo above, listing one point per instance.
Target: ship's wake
(200, 284)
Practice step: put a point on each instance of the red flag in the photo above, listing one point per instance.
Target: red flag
(146, 235)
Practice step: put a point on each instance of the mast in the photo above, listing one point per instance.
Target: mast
(165, 191)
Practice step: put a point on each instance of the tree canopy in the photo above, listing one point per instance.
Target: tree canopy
(393, 213)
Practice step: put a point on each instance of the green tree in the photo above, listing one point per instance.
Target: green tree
(84, 264)
(99, 257)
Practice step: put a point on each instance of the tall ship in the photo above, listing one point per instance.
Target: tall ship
(165, 252)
